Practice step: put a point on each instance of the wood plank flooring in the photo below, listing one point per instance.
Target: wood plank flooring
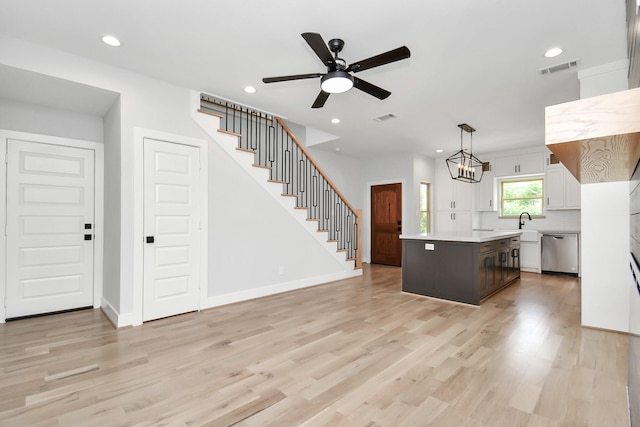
(357, 352)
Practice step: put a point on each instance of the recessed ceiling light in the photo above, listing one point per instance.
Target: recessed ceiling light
(111, 41)
(250, 89)
(335, 121)
(440, 150)
(554, 51)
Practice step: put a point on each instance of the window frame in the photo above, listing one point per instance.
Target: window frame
(427, 212)
(522, 179)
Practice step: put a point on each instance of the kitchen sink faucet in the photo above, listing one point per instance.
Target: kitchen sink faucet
(521, 222)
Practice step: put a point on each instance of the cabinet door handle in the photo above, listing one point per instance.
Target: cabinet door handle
(547, 200)
(490, 203)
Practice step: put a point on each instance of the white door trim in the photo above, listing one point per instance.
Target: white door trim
(98, 150)
(139, 134)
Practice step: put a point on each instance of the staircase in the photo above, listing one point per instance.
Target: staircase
(274, 148)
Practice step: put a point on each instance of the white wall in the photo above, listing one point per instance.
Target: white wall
(27, 117)
(112, 206)
(424, 170)
(605, 255)
(253, 243)
(561, 220)
(607, 78)
(605, 226)
(344, 171)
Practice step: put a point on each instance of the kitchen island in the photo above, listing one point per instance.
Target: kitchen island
(464, 268)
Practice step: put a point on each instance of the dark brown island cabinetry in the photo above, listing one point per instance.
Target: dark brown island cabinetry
(463, 271)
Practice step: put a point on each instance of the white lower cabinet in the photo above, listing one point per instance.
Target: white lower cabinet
(530, 256)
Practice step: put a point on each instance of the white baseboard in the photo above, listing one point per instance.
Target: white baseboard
(249, 294)
(118, 320)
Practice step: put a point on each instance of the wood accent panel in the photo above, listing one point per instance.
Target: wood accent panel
(354, 352)
(597, 138)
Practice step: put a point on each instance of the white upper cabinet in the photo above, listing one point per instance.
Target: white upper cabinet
(451, 195)
(521, 164)
(453, 203)
(484, 192)
(562, 190)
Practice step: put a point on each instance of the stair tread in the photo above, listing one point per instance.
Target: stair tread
(246, 150)
(211, 113)
(228, 132)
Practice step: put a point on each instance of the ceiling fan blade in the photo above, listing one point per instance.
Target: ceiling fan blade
(292, 77)
(314, 40)
(371, 89)
(320, 100)
(382, 59)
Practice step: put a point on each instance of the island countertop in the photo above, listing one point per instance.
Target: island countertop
(473, 237)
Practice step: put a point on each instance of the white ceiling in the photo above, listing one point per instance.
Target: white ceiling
(471, 61)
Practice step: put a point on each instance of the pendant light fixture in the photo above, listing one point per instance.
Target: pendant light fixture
(463, 165)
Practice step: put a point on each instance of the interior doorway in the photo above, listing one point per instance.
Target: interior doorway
(51, 252)
(172, 217)
(386, 224)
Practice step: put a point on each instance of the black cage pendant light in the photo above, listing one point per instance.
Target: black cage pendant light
(463, 165)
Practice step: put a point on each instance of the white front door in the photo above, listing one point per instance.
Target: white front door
(50, 222)
(171, 229)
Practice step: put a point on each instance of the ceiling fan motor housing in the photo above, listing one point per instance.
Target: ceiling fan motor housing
(336, 45)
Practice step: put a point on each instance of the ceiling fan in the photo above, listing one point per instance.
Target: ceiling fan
(338, 77)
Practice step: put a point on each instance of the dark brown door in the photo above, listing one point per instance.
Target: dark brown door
(386, 224)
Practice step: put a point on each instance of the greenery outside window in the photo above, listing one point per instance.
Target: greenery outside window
(522, 195)
(424, 207)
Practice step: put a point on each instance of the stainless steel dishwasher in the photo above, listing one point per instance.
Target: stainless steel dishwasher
(560, 253)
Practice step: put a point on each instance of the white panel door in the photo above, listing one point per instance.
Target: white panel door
(50, 211)
(172, 229)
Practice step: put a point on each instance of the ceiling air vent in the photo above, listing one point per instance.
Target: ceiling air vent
(384, 117)
(559, 67)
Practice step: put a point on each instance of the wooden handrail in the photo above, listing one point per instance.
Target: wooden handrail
(313, 162)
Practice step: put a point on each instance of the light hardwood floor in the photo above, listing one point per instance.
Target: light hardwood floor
(356, 352)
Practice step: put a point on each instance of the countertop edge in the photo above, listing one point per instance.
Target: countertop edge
(474, 237)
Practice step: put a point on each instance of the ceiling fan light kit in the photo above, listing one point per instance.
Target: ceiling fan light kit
(338, 78)
(336, 82)
(463, 165)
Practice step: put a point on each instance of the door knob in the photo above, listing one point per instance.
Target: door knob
(150, 239)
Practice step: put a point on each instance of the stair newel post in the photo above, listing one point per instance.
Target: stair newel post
(358, 239)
